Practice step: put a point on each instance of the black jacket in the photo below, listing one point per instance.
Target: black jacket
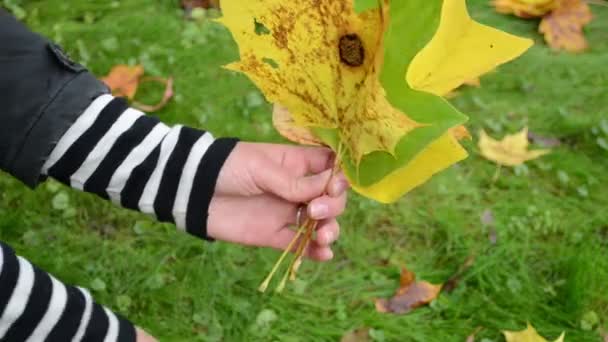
(42, 92)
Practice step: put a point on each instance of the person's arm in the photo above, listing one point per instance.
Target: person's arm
(58, 120)
(34, 306)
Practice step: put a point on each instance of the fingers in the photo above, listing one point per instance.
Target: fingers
(325, 207)
(302, 160)
(282, 183)
(328, 232)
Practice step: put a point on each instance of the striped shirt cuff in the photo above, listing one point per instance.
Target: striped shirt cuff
(34, 306)
(136, 161)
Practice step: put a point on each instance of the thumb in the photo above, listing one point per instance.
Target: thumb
(302, 189)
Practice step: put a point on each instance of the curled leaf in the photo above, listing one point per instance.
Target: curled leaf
(167, 94)
(512, 150)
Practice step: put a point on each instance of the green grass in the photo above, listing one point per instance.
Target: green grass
(549, 265)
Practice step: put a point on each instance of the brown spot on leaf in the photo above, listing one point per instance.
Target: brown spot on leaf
(351, 48)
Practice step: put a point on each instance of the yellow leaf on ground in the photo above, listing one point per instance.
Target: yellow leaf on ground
(123, 80)
(461, 50)
(563, 28)
(285, 125)
(512, 150)
(410, 295)
(525, 8)
(528, 335)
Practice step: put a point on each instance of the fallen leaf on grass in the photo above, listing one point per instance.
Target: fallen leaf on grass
(526, 9)
(123, 80)
(410, 295)
(563, 27)
(357, 335)
(604, 335)
(528, 335)
(167, 94)
(512, 150)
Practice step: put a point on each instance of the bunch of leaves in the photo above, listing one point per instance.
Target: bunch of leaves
(368, 79)
(562, 21)
(124, 80)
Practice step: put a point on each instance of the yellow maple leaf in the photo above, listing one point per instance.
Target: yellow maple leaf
(461, 50)
(512, 150)
(296, 65)
(563, 27)
(528, 335)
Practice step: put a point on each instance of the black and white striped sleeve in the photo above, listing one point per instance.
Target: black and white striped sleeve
(136, 161)
(34, 306)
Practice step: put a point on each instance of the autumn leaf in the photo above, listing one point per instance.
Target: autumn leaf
(123, 80)
(512, 150)
(528, 335)
(525, 8)
(410, 295)
(563, 27)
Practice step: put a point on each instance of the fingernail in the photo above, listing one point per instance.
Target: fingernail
(318, 211)
(339, 187)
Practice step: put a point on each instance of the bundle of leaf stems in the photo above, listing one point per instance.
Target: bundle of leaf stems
(300, 241)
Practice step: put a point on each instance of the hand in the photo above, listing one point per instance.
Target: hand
(261, 187)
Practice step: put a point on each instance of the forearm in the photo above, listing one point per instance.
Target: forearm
(34, 306)
(121, 154)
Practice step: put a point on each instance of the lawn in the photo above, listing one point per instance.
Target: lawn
(543, 258)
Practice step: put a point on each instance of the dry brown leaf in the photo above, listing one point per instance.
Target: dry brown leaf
(563, 27)
(124, 79)
(410, 295)
(528, 335)
(167, 94)
(512, 150)
(285, 125)
(357, 335)
(526, 9)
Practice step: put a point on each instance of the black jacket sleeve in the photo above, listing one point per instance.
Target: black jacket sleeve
(42, 92)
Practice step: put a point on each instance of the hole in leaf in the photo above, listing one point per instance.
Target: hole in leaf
(271, 62)
(260, 28)
(351, 48)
